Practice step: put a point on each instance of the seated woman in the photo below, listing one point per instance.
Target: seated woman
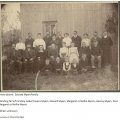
(58, 65)
(73, 53)
(40, 58)
(66, 66)
(64, 52)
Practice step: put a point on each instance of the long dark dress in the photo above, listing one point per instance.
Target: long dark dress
(47, 40)
(29, 64)
(59, 41)
(106, 44)
(40, 60)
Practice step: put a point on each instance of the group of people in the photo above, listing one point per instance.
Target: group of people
(58, 54)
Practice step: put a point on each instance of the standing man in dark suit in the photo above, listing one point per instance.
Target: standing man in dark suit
(47, 39)
(59, 39)
(95, 38)
(76, 39)
(29, 40)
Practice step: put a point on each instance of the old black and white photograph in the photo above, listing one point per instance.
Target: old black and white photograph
(60, 46)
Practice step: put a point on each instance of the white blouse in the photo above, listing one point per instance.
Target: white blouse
(86, 41)
(20, 46)
(67, 41)
(38, 42)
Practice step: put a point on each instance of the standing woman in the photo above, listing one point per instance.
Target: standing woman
(106, 44)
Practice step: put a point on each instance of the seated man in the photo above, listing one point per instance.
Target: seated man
(64, 52)
(52, 52)
(58, 65)
(12, 58)
(95, 54)
(66, 66)
(29, 58)
(84, 56)
(20, 51)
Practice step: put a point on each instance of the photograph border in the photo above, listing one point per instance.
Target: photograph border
(30, 2)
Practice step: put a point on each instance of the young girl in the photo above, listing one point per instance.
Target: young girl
(66, 66)
(64, 52)
(58, 65)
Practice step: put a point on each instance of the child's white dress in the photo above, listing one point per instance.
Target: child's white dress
(73, 54)
(64, 52)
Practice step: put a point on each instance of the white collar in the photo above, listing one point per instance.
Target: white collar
(105, 36)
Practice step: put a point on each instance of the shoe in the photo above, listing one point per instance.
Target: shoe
(93, 67)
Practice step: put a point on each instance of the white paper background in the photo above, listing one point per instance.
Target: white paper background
(68, 111)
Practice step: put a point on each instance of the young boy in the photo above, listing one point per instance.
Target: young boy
(66, 66)
(47, 68)
(74, 67)
(58, 65)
